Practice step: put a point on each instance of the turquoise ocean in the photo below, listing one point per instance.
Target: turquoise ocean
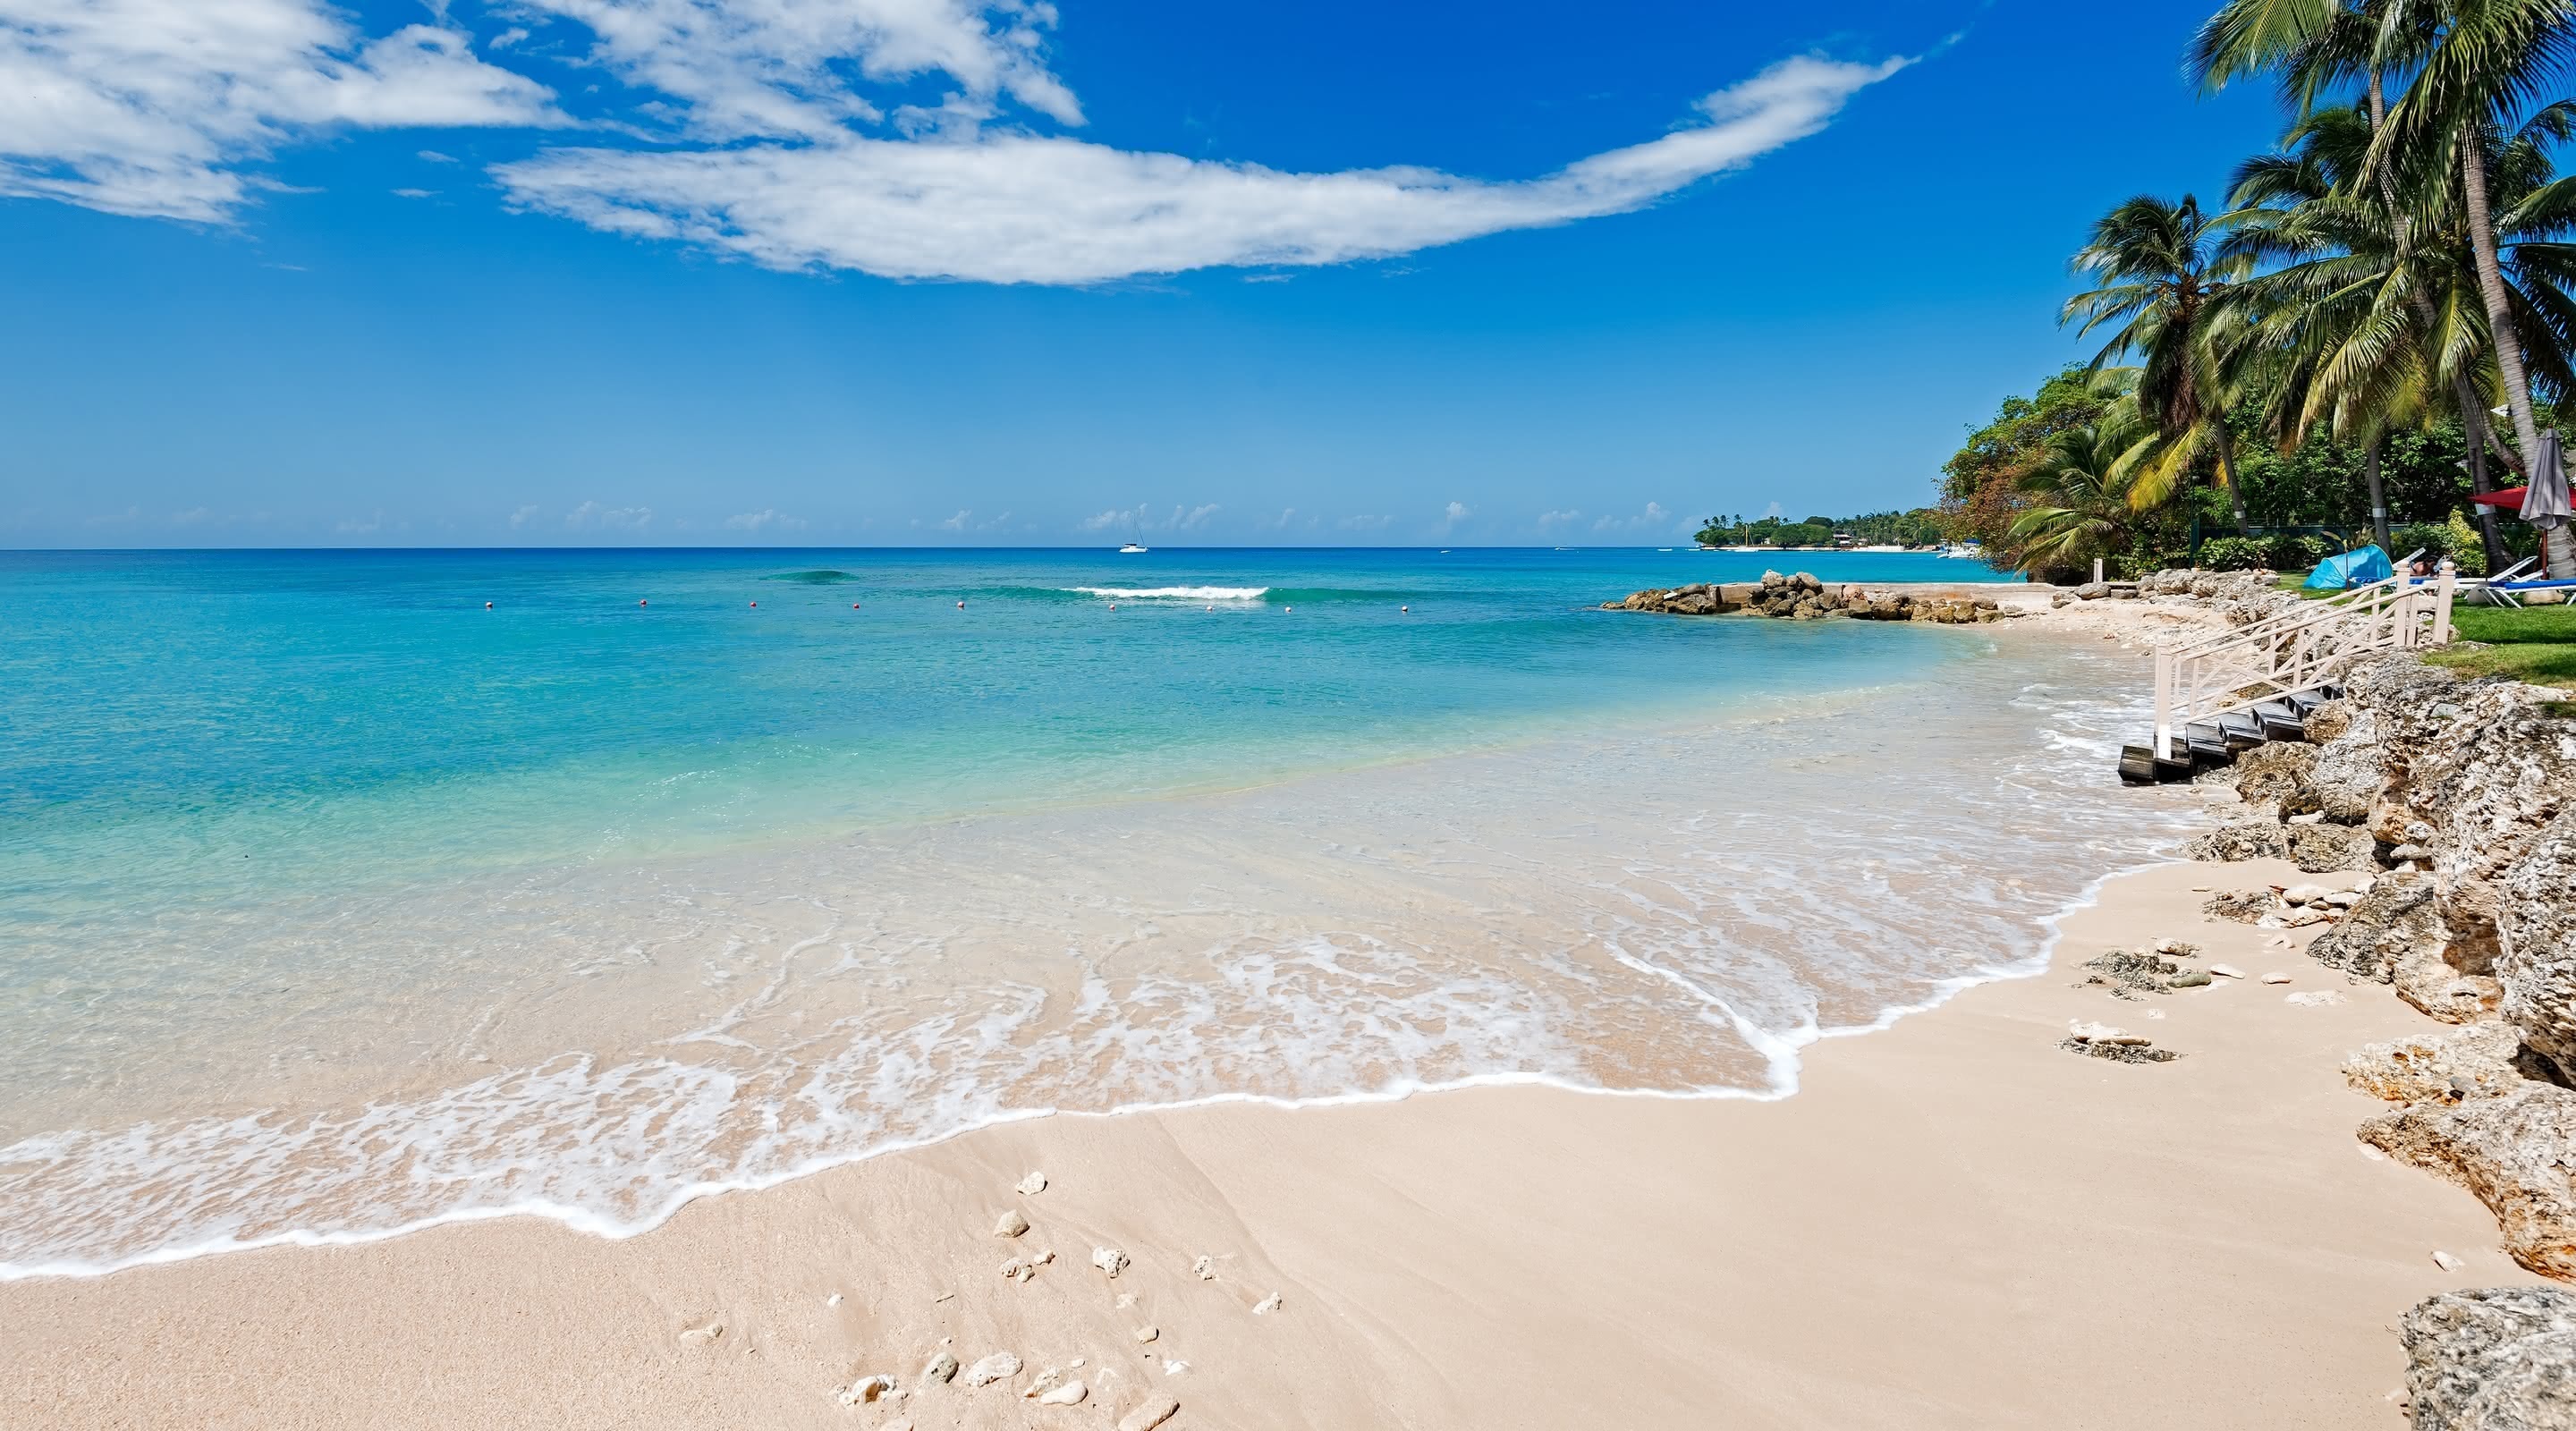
(347, 892)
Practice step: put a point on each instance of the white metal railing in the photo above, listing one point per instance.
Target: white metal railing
(2298, 650)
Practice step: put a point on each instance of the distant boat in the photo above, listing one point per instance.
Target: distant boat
(1133, 548)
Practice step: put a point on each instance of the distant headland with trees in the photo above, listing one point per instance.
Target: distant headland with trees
(1922, 527)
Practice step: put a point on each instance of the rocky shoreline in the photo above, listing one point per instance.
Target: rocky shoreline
(1800, 596)
(2448, 807)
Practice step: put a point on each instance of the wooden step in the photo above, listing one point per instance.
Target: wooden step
(2241, 731)
(2280, 721)
(2137, 765)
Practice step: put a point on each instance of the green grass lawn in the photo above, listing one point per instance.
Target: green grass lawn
(2537, 644)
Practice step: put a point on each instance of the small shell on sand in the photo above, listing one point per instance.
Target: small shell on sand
(1011, 1225)
(991, 1369)
(942, 1369)
(1267, 1305)
(1032, 1185)
(701, 1336)
(2276, 978)
(1069, 1394)
(867, 1389)
(1174, 1366)
(1147, 1334)
(2447, 1262)
(2227, 971)
(832, 1301)
(1108, 1259)
(1152, 1413)
(1206, 1268)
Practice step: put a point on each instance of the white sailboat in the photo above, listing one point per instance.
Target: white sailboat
(1135, 545)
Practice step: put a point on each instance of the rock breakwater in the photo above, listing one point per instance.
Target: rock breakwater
(1799, 596)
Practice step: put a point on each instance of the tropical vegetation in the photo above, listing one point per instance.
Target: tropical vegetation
(2375, 324)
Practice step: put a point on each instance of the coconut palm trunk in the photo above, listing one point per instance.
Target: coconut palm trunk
(2378, 494)
(2473, 424)
(2557, 548)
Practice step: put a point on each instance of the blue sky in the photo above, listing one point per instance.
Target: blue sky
(886, 272)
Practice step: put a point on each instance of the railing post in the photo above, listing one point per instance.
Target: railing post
(2449, 582)
(2164, 704)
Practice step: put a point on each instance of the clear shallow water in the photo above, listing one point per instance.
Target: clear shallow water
(332, 902)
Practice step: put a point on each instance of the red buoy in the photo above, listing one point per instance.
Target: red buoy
(854, 606)
(755, 606)
(643, 603)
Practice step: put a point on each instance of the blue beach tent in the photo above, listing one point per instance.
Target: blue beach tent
(2355, 568)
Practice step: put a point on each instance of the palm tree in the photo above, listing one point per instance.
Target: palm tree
(2078, 494)
(2479, 66)
(2369, 314)
(2167, 280)
(2471, 70)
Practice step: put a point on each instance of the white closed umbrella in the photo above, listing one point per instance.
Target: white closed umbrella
(2546, 507)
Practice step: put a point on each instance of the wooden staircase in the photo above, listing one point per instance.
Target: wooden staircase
(2229, 692)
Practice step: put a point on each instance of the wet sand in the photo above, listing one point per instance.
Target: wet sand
(1953, 1223)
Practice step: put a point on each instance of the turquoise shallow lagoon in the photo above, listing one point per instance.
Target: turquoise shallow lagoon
(333, 900)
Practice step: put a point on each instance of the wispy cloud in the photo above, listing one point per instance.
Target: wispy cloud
(415, 193)
(766, 519)
(592, 516)
(913, 139)
(1550, 521)
(1180, 519)
(1022, 208)
(523, 516)
(152, 107)
(1654, 518)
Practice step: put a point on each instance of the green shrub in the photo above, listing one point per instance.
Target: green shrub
(2433, 539)
(2234, 553)
(2467, 551)
(2291, 551)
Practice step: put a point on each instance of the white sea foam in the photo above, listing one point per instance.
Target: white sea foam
(1614, 915)
(1175, 593)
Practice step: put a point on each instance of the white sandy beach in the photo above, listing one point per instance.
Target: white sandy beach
(1953, 1223)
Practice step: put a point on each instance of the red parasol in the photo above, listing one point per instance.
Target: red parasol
(2510, 498)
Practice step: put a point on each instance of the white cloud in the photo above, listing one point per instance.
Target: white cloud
(433, 156)
(1654, 518)
(591, 516)
(957, 523)
(150, 107)
(1181, 519)
(1023, 208)
(765, 519)
(799, 134)
(360, 526)
(415, 193)
(520, 517)
(1364, 523)
(1550, 521)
